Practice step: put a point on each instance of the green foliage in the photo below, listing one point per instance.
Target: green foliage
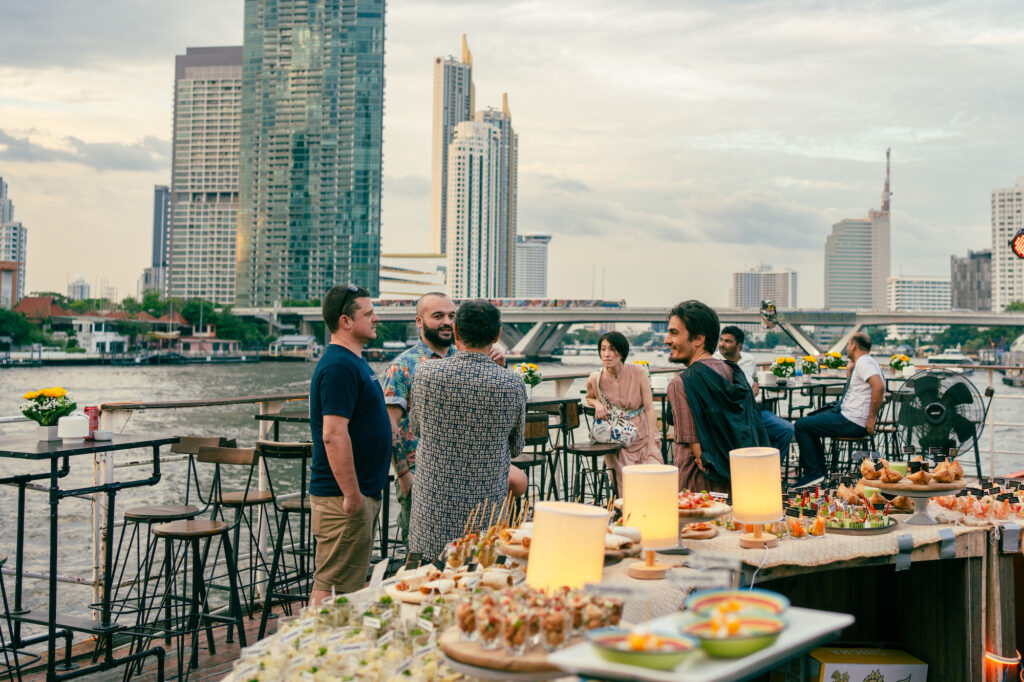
(583, 336)
(298, 303)
(18, 327)
(641, 338)
(46, 410)
(390, 331)
(972, 339)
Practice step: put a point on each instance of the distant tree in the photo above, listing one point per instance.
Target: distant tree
(19, 328)
(641, 338)
(300, 303)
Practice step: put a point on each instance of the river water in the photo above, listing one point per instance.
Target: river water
(95, 385)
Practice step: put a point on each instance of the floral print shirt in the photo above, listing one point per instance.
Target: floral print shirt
(397, 385)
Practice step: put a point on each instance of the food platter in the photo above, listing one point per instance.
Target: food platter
(710, 512)
(893, 523)
(497, 663)
(920, 494)
(520, 552)
(905, 487)
(688, 534)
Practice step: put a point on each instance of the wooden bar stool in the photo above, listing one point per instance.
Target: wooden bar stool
(590, 465)
(841, 452)
(180, 604)
(531, 461)
(290, 585)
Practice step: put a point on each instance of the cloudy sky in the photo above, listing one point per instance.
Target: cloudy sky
(664, 144)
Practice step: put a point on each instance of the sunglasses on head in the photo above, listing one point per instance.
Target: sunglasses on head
(350, 290)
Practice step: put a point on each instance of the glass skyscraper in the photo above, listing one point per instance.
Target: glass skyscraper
(310, 175)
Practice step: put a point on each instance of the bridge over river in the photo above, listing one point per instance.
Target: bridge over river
(550, 323)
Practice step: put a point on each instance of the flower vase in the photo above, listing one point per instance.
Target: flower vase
(47, 433)
(909, 371)
(529, 391)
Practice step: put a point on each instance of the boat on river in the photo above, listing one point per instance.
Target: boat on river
(953, 360)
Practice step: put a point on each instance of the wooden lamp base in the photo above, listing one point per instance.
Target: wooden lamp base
(649, 570)
(756, 540)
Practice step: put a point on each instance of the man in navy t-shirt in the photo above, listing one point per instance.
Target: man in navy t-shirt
(351, 445)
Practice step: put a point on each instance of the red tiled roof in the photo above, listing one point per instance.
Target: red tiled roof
(176, 318)
(143, 316)
(41, 307)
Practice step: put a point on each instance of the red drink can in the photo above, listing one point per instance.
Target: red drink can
(93, 413)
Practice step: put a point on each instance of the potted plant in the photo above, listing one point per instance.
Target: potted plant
(531, 376)
(898, 362)
(784, 367)
(834, 362)
(810, 365)
(45, 407)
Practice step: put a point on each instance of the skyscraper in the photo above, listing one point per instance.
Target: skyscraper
(752, 286)
(1007, 269)
(474, 177)
(204, 177)
(454, 102)
(857, 259)
(13, 242)
(971, 278)
(154, 277)
(507, 170)
(532, 265)
(310, 175)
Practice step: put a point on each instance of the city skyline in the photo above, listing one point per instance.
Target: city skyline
(727, 168)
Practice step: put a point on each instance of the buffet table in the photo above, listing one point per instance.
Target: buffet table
(935, 608)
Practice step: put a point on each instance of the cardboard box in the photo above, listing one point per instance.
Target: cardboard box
(838, 664)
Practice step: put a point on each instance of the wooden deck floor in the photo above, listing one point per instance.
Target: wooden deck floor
(211, 667)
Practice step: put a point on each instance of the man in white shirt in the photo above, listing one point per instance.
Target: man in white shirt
(730, 343)
(852, 417)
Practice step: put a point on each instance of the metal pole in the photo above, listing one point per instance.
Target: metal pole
(268, 407)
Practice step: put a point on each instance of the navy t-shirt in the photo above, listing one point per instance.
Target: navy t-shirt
(344, 385)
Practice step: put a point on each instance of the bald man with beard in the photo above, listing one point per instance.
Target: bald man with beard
(435, 319)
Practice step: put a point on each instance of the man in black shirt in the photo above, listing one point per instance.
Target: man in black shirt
(351, 445)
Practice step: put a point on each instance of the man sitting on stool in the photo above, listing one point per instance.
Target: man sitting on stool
(780, 431)
(852, 417)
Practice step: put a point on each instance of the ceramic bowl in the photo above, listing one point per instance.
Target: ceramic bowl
(612, 645)
(751, 601)
(755, 633)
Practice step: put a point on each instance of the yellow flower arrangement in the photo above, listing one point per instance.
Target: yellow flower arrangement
(899, 361)
(47, 405)
(784, 367)
(642, 363)
(833, 360)
(530, 372)
(810, 364)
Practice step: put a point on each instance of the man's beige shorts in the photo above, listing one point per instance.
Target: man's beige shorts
(343, 543)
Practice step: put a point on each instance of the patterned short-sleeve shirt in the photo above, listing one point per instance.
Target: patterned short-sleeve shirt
(397, 384)
(470, 415)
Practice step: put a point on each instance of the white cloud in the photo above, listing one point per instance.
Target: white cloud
(684, 138)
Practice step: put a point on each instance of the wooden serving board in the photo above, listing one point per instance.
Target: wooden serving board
(906, 486)
(533, 660)
(520, 552)
(514, 551)
(712, 512)
(687, 534)
(414, 596)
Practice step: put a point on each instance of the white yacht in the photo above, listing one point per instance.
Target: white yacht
(954, 360)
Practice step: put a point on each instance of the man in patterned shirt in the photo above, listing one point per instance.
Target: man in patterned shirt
(435, 316)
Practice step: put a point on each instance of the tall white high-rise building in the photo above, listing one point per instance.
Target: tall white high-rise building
(762, 283)
(857, 259)
(203, 221)
(13, 240)
(79, 289)
(474, 183)
(532, 265)
(1007, 269)
(454, 102)
(508, 163)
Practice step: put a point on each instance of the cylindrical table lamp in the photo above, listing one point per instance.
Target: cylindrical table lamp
(567, 548)
(756, 492)
(650, 503)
